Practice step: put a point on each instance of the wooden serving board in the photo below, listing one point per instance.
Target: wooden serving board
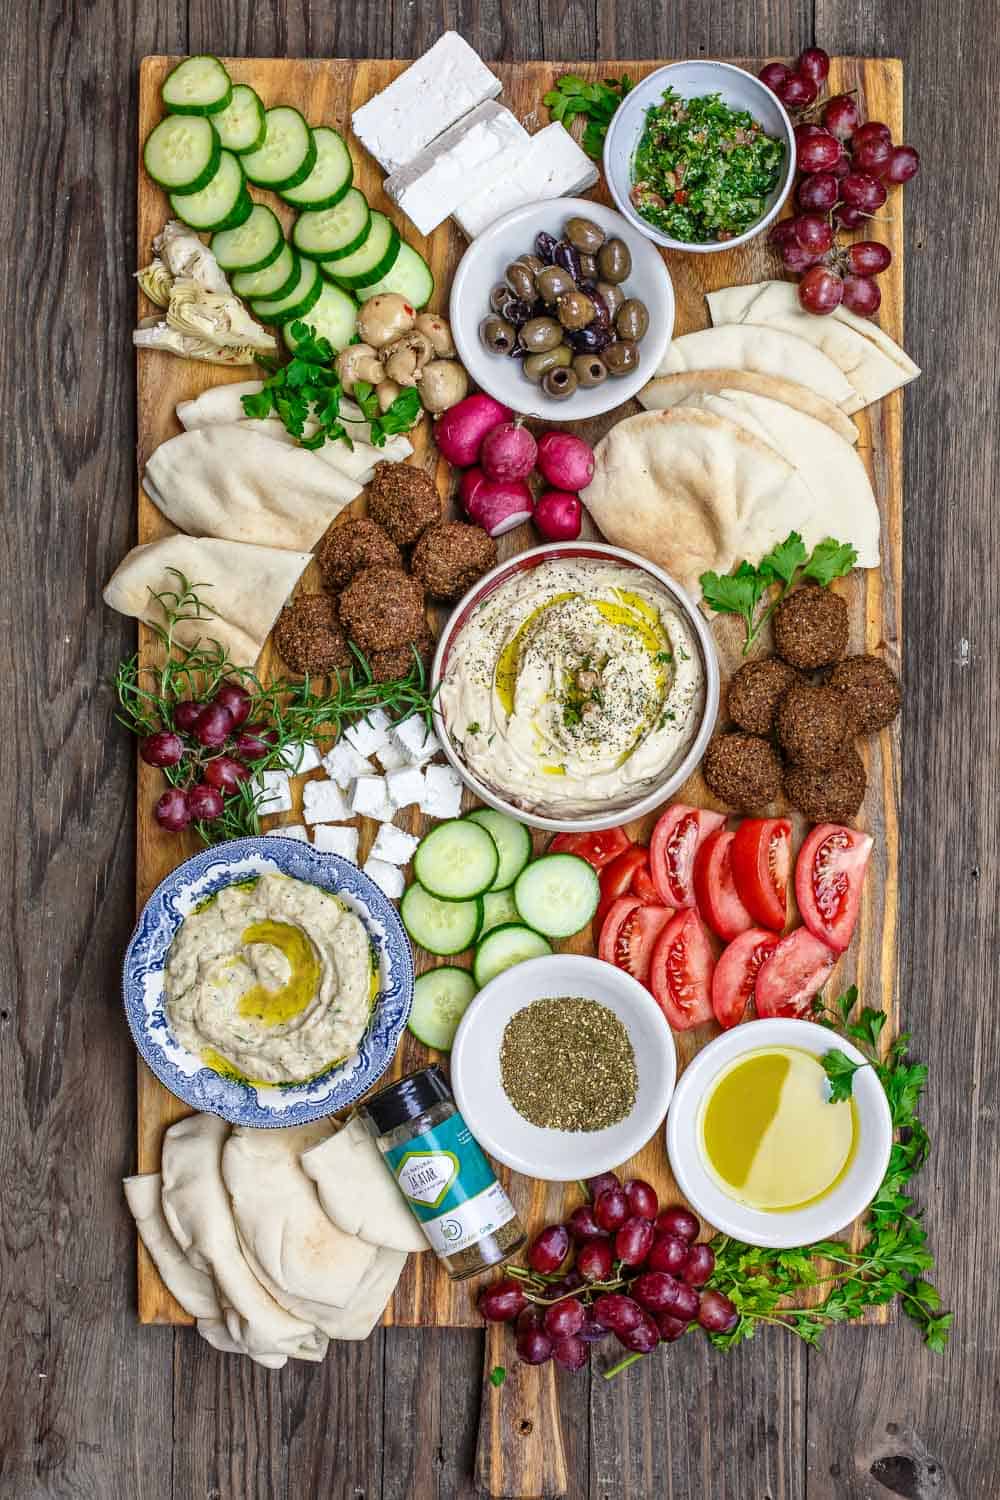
(326, 92)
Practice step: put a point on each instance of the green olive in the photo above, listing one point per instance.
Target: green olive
(559, 383)
(590, 370)
(614, 261)
(612, 296)
(500, 296)
(553, 282)
(575, 310)
(632, 320)
(538, 365)
(539, 334)
(621, 356)
(587, 236)
(521, 280)
(533, 262)
(498, 335)
(588, 267)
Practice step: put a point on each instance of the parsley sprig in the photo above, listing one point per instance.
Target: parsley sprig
(574, 96)
(787, 564)
(403, 413)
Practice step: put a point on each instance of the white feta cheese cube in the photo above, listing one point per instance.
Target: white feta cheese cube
(435, 182)
(442, 792)
(417, 741)
(369, 734)
(290, 831)
(370, 797)
(406, 785)
(277, 792)
(551, 166)
(392, 756)
(393, 845)
(387, 877)
(324, 802)
(298, 759)
(337, 838)
(435, 91)
(343, 764)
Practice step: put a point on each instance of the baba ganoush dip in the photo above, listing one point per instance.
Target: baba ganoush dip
(572, 685)
(272, 978)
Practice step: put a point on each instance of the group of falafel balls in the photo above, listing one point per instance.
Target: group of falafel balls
(796, 733)
(374, 592)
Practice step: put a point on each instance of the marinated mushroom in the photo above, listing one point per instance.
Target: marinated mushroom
(406, 358)
(443, 384)
(383, 319)
(438, 334)
(359, 362)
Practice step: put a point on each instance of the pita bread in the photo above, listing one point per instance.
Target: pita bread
(245, 587)
(767, 351)
(685, 388)
(357, 462)
(193, 1288)
(357, 1191)
(872, 361)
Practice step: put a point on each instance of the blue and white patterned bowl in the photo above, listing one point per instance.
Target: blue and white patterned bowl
(185, 1074)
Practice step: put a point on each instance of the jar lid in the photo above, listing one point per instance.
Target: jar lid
(407, 1098)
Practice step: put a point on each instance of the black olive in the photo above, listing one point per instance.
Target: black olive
(590, 370)
(589, 340)
(545, 245)
(517, 311)
(601, 318)
(498, 335)
(500, 296)
(559, 383)
(621, 356)
(575, 310)
(614, 261)
(521, 280)
(539, 334)
(584, 234)
(632, 320)
(567, 256)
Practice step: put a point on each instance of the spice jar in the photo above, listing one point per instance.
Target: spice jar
(468, 1220)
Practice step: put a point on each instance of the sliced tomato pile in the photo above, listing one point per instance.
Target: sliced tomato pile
(795, 972)
(681, 971)
(715, 888)
(629, 935)
(598, 849)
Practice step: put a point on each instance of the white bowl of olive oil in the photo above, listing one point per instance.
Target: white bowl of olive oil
(757, 1146)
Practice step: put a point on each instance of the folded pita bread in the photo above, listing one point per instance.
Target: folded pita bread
(244, 587)
(193, 1288)
(684, 389)
(767, 351)
(872, 361)
(221, 405)
(357, 462)
(357, 1191)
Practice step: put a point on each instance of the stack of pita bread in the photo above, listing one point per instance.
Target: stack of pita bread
(747, 435)
(275, 1241)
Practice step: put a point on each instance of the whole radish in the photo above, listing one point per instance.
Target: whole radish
(564, 461)
(508, 451)
(459, 432)
(498, 505)
(469, 486)
(558, 516)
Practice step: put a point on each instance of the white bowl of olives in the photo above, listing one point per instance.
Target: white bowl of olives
(561, 309)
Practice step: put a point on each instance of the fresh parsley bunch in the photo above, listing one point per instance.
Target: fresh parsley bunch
(574, 96)
(789, 563)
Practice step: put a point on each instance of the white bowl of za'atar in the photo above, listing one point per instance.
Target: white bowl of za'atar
(576, 687)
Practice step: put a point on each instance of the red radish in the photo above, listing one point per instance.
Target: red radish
(469, 486)
(460, 431)
(499, 505)
(564, 461)
(558, 516)
(508, 451)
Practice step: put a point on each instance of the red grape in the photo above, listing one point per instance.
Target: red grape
(862, 295)
(806, 130)
(549, 1249)
(685, 1302)
(849, 217)
(700, 1265)
(533, 1345)
(798, 260)
(254, 741)
(783, 233)
(814, 63)
(871, 130)
(611, 1208)
(502, 1301)
(634, 1241)
(774, 74)
(616, 1312)
(669, 1253)
(583, 1226)
(564, 1318)
(814, 233)
(872, 155)
(861, 191)
(225, 773)
(570, 1352)
(670, 1327)
(595, 1260)
(643, 1338)
(214, 726)
(162, 749)
(797, 91)
(596, 1185)
(903, 164)
(817, 193)
(642, 1199)
(717, 1313)
(869, 257)
(171, 810)
(820, 290)
(204, 803)
(234, 696)
(655, 1290)
(840, 116)
(592, 1331)
(818, 153)
(679, 1221)
(187, 714)
(841, 167)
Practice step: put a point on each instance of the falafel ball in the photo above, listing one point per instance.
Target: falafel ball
(742, 770)
(814, 725)
(403, 500)
(356, 543)
(872, 690)
(450, 556)
(381, 608)
(810, 628)
(397, 661)
(830, 796)
(756, 690)
(308, 636)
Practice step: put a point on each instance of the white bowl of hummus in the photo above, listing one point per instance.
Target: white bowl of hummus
(577, 687)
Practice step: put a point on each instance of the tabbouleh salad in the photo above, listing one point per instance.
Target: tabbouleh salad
(702, 171)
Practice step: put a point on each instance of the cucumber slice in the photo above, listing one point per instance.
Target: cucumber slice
(296, 303)
(440, 999)
(241, 125)
(288, 154)
(456, 860)
(557, 894)
(323, 233)
(511, 838)
(374, 258)
(276, 280)
(254, 245)
(441, 927)
(182, 153)
(197, 86)
(334, 316)
(504, 947)
(499, 910)
(409, 275)
(330, 178)
(223, 202)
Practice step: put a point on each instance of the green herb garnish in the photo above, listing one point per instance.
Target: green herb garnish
(498, 1375)
(574, 96)
(404, 412)
(307, 389)
(740, 592)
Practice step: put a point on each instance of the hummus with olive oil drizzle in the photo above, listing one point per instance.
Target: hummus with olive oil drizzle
(574, 684)
(271, 979)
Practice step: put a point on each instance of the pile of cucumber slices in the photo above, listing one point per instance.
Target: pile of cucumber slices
(215, 138)
(477, 886)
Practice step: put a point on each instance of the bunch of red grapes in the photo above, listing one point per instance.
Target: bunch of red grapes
(637, 1273)
(847, 169)
(207, 748)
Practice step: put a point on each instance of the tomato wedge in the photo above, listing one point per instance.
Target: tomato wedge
(642, 883)
(736, 974)
(619, 879)
(598, 849)
(829, 874)
(762, 861)
(629, 935)
(675, 842)
(794, 973)
(681, 972)
(718, 899)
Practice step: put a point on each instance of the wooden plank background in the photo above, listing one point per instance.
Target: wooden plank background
(91, 1404)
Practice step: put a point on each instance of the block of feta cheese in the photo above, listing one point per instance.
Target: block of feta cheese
(435, 91)
(290, 831)
(551, 165)
(277, 796)
(370, 798)
(324, 802)
(406, 785)
(337, 838)
(392, 756)
(394, 845)
(343, 764)
(417, 741)
(298, 759)
(388, 878)
(442, 792)
(436, 181)
(370, 733)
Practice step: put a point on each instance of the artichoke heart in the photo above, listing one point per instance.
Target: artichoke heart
(156, 282)
(153, 333)
(204, 317)
(216, 316)
(184, 254)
